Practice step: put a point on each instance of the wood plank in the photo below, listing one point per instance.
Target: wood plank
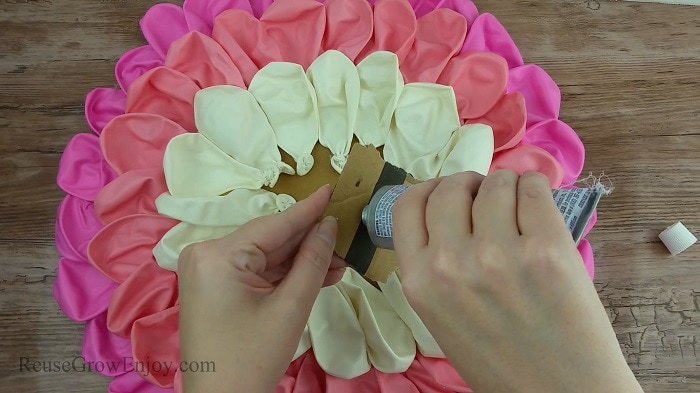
(33, 327)
(28, 201)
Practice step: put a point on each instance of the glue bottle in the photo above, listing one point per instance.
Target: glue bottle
(575, 204)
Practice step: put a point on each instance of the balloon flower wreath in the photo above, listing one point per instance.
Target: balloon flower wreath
(233, 101)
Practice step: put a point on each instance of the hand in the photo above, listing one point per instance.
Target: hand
(245, 298)
(493, 272)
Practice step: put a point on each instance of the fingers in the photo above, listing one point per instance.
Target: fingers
(537, 212)
(410, 231)
(333, 277)
(338, 262)
(283, 231)
(275, 274)
(448, 212)
(335, 271)
(284, 252)
(311, 264)
(494, 209)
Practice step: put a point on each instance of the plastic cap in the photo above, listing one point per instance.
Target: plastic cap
(677, 238)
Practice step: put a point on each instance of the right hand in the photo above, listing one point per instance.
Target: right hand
(490, 267)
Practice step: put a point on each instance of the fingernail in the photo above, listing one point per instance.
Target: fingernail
(327, 229)
(323, 188)
(339, 261)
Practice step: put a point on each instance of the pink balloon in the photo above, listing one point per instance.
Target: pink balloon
(395, 28)
(523, 158)
(395, 25)
(244, 40)
(145, 133)
(149, 290)
(135, 63)
(133, 192)
(561, 141)
(488, 34)
(82, 171)
(203, 60)
(586, 251)
(133, 382)
(591, 223)
(102, 105)
(304, 375)
(76, 224)
(297, 26)
(122, 246)
(162, 25)
(366, 382)
(401, 382)
(439, 36)
(507, 120)
(81, 291)
(542, 95)
(443, 375)
(464, 7)
(289, 30)
(166, 92)
(177, 382)
(200, 14)
(259, 7)
(479, 81)
(157, 337)
(103, 351)
(349, 26)
(425, 375)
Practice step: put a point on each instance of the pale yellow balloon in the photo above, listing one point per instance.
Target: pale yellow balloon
(168, 249)
(394, 295)
(194, 166)
(337, 87)
(304, 343)
(233, 209)
(289, 101)
(390, 344)
(424, 120)
(470, 149)
(231, 118)
(337, 336)
(381, 84)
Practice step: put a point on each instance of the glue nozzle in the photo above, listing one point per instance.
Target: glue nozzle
(365, 215)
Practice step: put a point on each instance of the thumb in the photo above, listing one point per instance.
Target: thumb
(311, 264)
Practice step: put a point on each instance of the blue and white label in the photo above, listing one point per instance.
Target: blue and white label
(572, 204)
(383, 221)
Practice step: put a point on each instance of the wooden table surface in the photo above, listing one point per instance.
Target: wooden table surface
(629, 74)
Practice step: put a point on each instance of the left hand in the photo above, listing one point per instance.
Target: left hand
(245, 298)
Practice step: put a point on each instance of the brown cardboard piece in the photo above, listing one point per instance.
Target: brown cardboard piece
(352, 192)
(300, 187)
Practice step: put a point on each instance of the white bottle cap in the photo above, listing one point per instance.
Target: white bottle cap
(677, 238)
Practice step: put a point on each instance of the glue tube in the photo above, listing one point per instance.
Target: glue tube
(575, 204)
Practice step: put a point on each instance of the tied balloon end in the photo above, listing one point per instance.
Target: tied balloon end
(338, 162)
(304, 164)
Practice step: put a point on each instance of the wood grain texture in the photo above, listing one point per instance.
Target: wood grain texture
(629, 77)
